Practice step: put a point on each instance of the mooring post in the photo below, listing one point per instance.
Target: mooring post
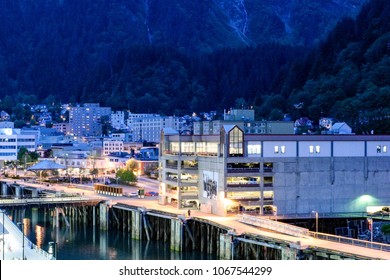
(104, 218)
(226, 245)
(136, 225)
(94, 216)
(176, 235)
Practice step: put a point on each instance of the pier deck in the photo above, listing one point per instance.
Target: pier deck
(239, 228)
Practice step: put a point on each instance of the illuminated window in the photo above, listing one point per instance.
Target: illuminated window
(254, 148)
(311, 149)
(268, 195)
(381, 149)
(279, 149)
(236, 142)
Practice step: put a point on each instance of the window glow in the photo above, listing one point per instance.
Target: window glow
(254, 148)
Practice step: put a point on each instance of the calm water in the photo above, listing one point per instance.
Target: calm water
(84, 242)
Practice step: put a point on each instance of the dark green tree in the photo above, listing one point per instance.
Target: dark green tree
(126, 176)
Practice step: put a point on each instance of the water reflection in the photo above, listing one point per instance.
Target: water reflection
(80, 241)
(39, 235)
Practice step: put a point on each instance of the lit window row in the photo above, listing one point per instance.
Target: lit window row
(316, 149)
(280, 149)
(381, 149)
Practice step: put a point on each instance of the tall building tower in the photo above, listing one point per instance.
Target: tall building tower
(86, 120)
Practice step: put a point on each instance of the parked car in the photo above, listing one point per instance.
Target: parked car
(184, 176)
(151, 194)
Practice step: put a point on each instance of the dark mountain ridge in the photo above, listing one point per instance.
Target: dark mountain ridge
(175, 57)
(49, 47)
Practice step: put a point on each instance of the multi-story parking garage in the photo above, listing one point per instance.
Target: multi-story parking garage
(287, 174)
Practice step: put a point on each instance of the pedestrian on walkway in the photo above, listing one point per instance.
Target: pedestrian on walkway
(189, 212)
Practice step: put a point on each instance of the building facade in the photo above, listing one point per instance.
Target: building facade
(62, 127)
(112, 145)
(148, 128)
(284, 174)
(249, 127)
(118, 120)
(11, 140)
(86, 120)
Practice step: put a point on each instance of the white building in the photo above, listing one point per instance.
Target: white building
(148, 127)
(111, 145)
(6, 124)
(118, 120)
(341, 128)
(62, 127)
(289, 174)
(11, 140)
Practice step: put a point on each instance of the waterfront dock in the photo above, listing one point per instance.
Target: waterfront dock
(134, 214)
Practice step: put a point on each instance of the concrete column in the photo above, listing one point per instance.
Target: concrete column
(176, 235)
(18, 192)
(104, 218)
(289, 253)
(34, 192)
(136, 225)
(4, 189)
(225, 246)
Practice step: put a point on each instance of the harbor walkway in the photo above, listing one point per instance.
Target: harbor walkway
(151, 203)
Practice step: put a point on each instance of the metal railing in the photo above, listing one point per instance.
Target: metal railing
(323, 236)
(273, 225)
(44, 200)
(28, 242)
(351, 241)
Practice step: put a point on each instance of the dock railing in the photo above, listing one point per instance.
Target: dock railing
(303, 232)
(273, 225)
(12, 227)
(351, 241)
(44, 200)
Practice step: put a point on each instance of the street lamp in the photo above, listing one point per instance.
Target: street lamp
(316, 220)
(21, 224)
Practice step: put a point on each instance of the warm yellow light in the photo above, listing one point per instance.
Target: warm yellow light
(227, 202)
